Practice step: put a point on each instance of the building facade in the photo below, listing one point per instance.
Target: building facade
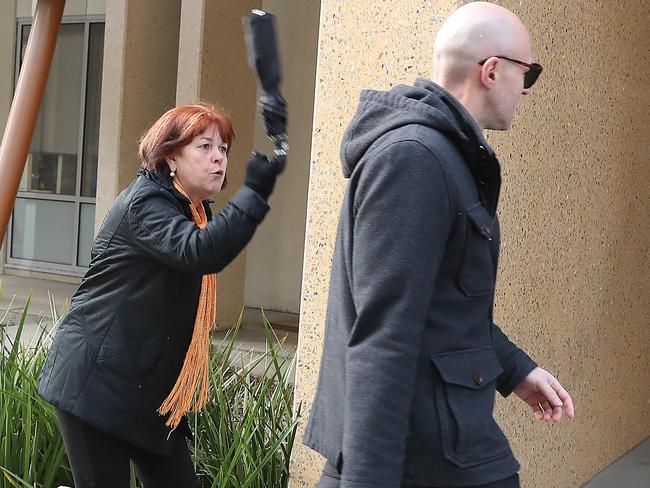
(118, 66)
(573, 286)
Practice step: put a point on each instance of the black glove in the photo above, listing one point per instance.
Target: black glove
(261, 173)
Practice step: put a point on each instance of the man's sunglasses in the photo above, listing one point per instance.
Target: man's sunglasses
(530, 76)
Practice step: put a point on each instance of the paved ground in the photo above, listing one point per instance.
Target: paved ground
(630, 471)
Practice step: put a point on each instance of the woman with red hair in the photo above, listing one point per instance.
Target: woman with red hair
(131, 356)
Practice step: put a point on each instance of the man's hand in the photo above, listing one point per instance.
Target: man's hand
(545, 395)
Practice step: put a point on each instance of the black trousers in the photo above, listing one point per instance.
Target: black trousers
(331, 479)
(99, 460)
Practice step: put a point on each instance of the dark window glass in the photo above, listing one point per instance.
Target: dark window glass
(91, 122)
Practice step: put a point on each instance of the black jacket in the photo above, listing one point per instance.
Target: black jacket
(120, 348)
(411, 358)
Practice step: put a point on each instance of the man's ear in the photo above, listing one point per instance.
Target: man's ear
(488, 72)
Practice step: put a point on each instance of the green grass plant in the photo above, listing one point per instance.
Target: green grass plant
(31, 448)
(243, 437)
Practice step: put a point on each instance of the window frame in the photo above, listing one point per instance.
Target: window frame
(77, 199)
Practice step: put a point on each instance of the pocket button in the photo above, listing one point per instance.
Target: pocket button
(478, 379)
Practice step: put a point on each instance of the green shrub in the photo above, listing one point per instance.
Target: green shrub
(243, 437)
(31, 448)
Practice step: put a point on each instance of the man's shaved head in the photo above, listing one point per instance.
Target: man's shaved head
(476, 31)
(473, 33)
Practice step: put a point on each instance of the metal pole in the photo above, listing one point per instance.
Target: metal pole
(27, 100)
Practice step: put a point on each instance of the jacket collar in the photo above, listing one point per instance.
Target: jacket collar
(470, 133)
(477, 153)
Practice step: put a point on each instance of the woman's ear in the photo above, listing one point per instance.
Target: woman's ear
(171, 163)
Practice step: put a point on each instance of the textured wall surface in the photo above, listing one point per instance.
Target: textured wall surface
(25, 8)
(573, 287)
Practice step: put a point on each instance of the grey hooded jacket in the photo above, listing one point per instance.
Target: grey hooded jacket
(412, 358)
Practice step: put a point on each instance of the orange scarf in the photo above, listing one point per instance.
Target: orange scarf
(191, 388)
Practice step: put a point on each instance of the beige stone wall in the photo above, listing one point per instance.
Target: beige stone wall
(573, 287)
(25, 8)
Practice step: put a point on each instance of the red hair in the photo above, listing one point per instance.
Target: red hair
(176, 128)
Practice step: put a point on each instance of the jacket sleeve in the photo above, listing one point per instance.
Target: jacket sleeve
(516, 363)
(401, 224)
(162, 231)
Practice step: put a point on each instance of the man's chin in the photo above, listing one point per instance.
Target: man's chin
(501, 126)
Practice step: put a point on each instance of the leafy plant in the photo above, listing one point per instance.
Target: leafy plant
(243, 437)
(31, 448)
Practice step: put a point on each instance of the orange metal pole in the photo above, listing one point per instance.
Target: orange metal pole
(27, 100)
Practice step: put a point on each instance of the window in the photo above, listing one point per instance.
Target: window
(53, 220)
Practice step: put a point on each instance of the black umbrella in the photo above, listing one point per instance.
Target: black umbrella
(263, 58)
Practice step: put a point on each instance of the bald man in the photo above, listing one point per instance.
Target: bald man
(412, 358)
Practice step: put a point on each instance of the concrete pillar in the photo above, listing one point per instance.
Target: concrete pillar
(139, 84)
(213, 66)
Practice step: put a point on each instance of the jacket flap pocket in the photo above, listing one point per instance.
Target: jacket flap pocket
(481, 219)
(471, 368)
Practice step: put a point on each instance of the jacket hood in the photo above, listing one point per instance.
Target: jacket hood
(424, 103)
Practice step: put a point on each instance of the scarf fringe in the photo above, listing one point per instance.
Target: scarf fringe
(193, 383)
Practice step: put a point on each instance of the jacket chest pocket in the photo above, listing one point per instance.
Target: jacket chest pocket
(477, 273)
(464, 397)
